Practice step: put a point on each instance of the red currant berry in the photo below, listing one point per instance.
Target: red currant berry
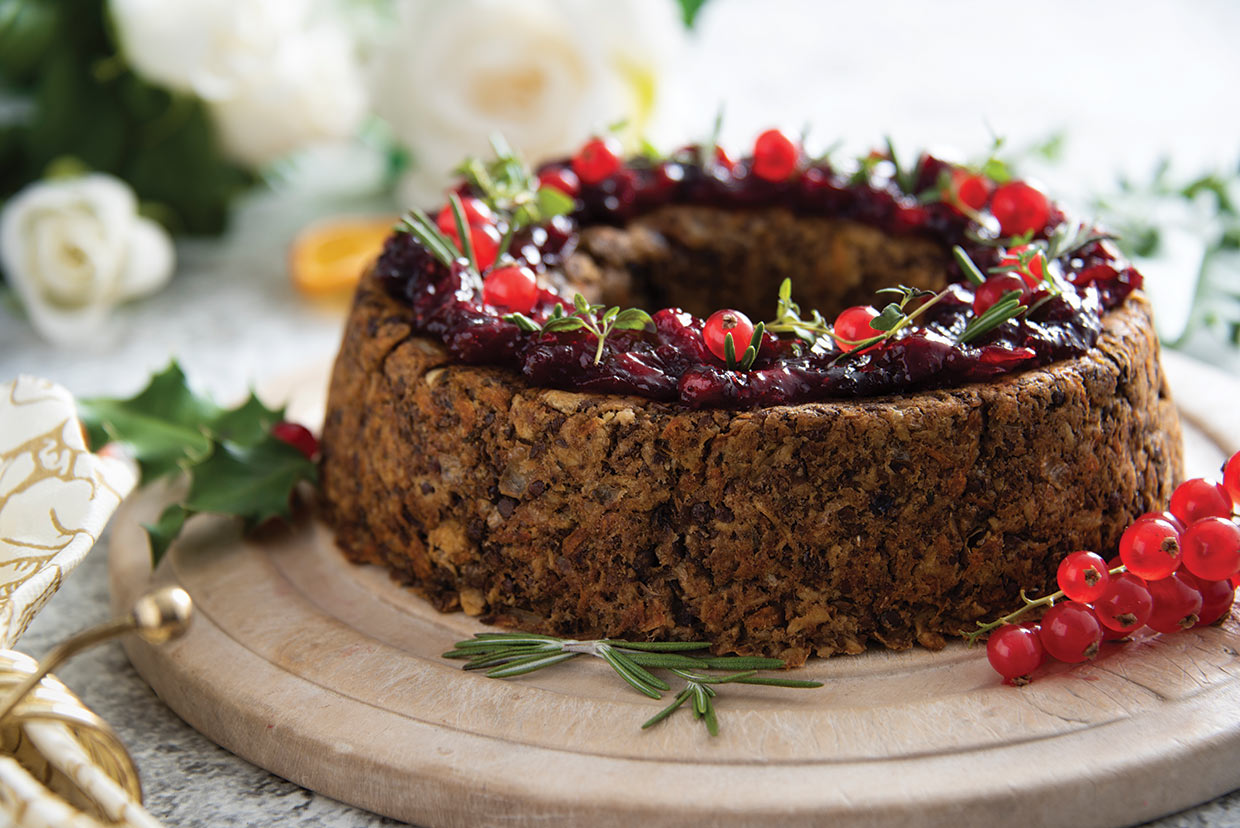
(994, 288)
(562, 179)
(1071, 632)
(1019, 209)
(1083, 576)
(475, 210)
(1167, 516)
(1216, 598)
(1198, 498)
(485, 240)
(1176, 604)
(1150, 549)
(297, 436)
(1126, 604)
(1231, 478)
(724, 160)
(512, 287)
(969, 189)
(853, 325)
(1212, 549)
(1034, 269)
(724, 323)
(1015, 652)
(597, 160)
(775, 156)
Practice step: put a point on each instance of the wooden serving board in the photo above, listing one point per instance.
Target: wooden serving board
(330, 675)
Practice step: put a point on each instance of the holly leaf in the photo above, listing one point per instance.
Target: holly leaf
(246, 425)
(235, 464)
(164, 531)
(163, 427)
(251, 482)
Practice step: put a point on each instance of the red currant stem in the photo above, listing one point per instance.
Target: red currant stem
(1030, 603)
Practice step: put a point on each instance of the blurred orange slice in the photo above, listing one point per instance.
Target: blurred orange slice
(330, 256)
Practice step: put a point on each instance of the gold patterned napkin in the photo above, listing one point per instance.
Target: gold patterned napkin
(59, 763)
(55, 497)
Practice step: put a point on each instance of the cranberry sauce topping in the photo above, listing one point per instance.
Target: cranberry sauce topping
(669, 360)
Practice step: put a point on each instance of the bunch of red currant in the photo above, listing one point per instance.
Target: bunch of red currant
(1176, 570)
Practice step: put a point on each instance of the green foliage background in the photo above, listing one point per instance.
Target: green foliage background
(74, 103)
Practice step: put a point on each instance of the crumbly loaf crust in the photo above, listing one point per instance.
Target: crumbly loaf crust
(787, 531)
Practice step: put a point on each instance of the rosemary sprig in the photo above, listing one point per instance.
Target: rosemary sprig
(971, 271)
(751, 351)
(420, 226)
(507, 655)
(1008, 307)
(984, 627)
(585, 316)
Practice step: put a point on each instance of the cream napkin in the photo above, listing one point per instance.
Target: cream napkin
(55, 499)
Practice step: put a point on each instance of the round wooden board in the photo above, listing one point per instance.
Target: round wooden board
(329, 675)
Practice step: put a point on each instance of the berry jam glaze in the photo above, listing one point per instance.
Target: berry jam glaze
(670, 361)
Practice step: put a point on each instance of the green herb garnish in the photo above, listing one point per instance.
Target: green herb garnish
(508, 655)
(592, 318)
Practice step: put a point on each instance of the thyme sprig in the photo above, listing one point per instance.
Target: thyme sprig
(593, 318)
(893, 318)
(788, 318)
(508, 655)
(510, 188)
(1027, 605)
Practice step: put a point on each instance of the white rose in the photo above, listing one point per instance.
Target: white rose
(74, 248)
(545, 73)
(275, 76)
(308, 88)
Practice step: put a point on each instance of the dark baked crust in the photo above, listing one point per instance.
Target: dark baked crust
(785, 531)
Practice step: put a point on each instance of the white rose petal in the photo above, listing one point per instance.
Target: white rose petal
(308, 88)
(274, 75)
(74, 248)
(545, 73)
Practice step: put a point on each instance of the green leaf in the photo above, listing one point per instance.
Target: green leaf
(253, 483)
(564, 323)
(552, 202)
(247, 425)
(888, 318)
(689, 10)
(164, 426)
(522, 321)
(163, 531)
(632, 319)
(967, 265)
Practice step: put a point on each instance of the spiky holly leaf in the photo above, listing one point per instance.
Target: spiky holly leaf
(252, 482)
(163, 426)
(246, 425)
(235, 465)
(165, 530)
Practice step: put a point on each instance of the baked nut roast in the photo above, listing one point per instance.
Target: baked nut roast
(807, 497)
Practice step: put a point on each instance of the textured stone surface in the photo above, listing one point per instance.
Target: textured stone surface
(785, 531)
